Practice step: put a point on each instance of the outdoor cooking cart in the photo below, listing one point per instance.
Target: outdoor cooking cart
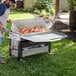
(22, 45)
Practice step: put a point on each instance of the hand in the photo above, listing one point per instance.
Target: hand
(9, 21)
(1, 26)
(1, 23)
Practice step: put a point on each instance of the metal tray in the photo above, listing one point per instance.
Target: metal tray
(48, 36)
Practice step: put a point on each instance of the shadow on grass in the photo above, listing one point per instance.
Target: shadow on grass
(71, 35)
(57, 63)
(15, 12)
(60, 62)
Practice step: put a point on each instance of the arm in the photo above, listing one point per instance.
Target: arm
(1, 25)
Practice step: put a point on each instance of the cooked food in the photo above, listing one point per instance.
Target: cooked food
(32, 30)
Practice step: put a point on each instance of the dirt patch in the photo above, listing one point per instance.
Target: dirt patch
(61, 27)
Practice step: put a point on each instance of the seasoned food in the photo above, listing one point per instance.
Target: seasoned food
(32, 30)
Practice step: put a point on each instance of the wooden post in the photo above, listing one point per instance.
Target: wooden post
(57, 6)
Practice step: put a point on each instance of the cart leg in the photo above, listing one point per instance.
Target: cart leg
(19, 51)
(49, 47)
(10, 47)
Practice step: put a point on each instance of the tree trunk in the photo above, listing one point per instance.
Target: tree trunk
(57, 6)
(20, 4)
(72, 20)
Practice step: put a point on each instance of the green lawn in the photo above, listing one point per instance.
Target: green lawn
(20, 15)
(60, 62)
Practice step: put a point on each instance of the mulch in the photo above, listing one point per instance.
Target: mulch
(62, 27)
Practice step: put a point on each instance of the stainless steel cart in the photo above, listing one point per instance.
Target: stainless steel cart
(22, 45)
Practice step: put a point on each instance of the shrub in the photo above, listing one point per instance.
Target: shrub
(42, 4)
(72, 4)
(52, 11)
(19, 9)
(25, 9)
(37, 11)
(43, 13)
(30, 9)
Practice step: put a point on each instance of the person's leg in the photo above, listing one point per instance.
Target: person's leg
(1, 60)
(0, 57)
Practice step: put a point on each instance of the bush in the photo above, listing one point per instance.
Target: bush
(19, 9)
(43, 13)
(42, 4)
(25, 9)
(72, 4)
(37, 11)
(52, 11)
(30, 9)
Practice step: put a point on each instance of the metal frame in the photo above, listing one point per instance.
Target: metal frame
(20, 50)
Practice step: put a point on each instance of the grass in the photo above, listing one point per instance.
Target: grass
(20, 15)
(60, 62)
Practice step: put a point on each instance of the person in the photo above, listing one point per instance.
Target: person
(4, 13)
